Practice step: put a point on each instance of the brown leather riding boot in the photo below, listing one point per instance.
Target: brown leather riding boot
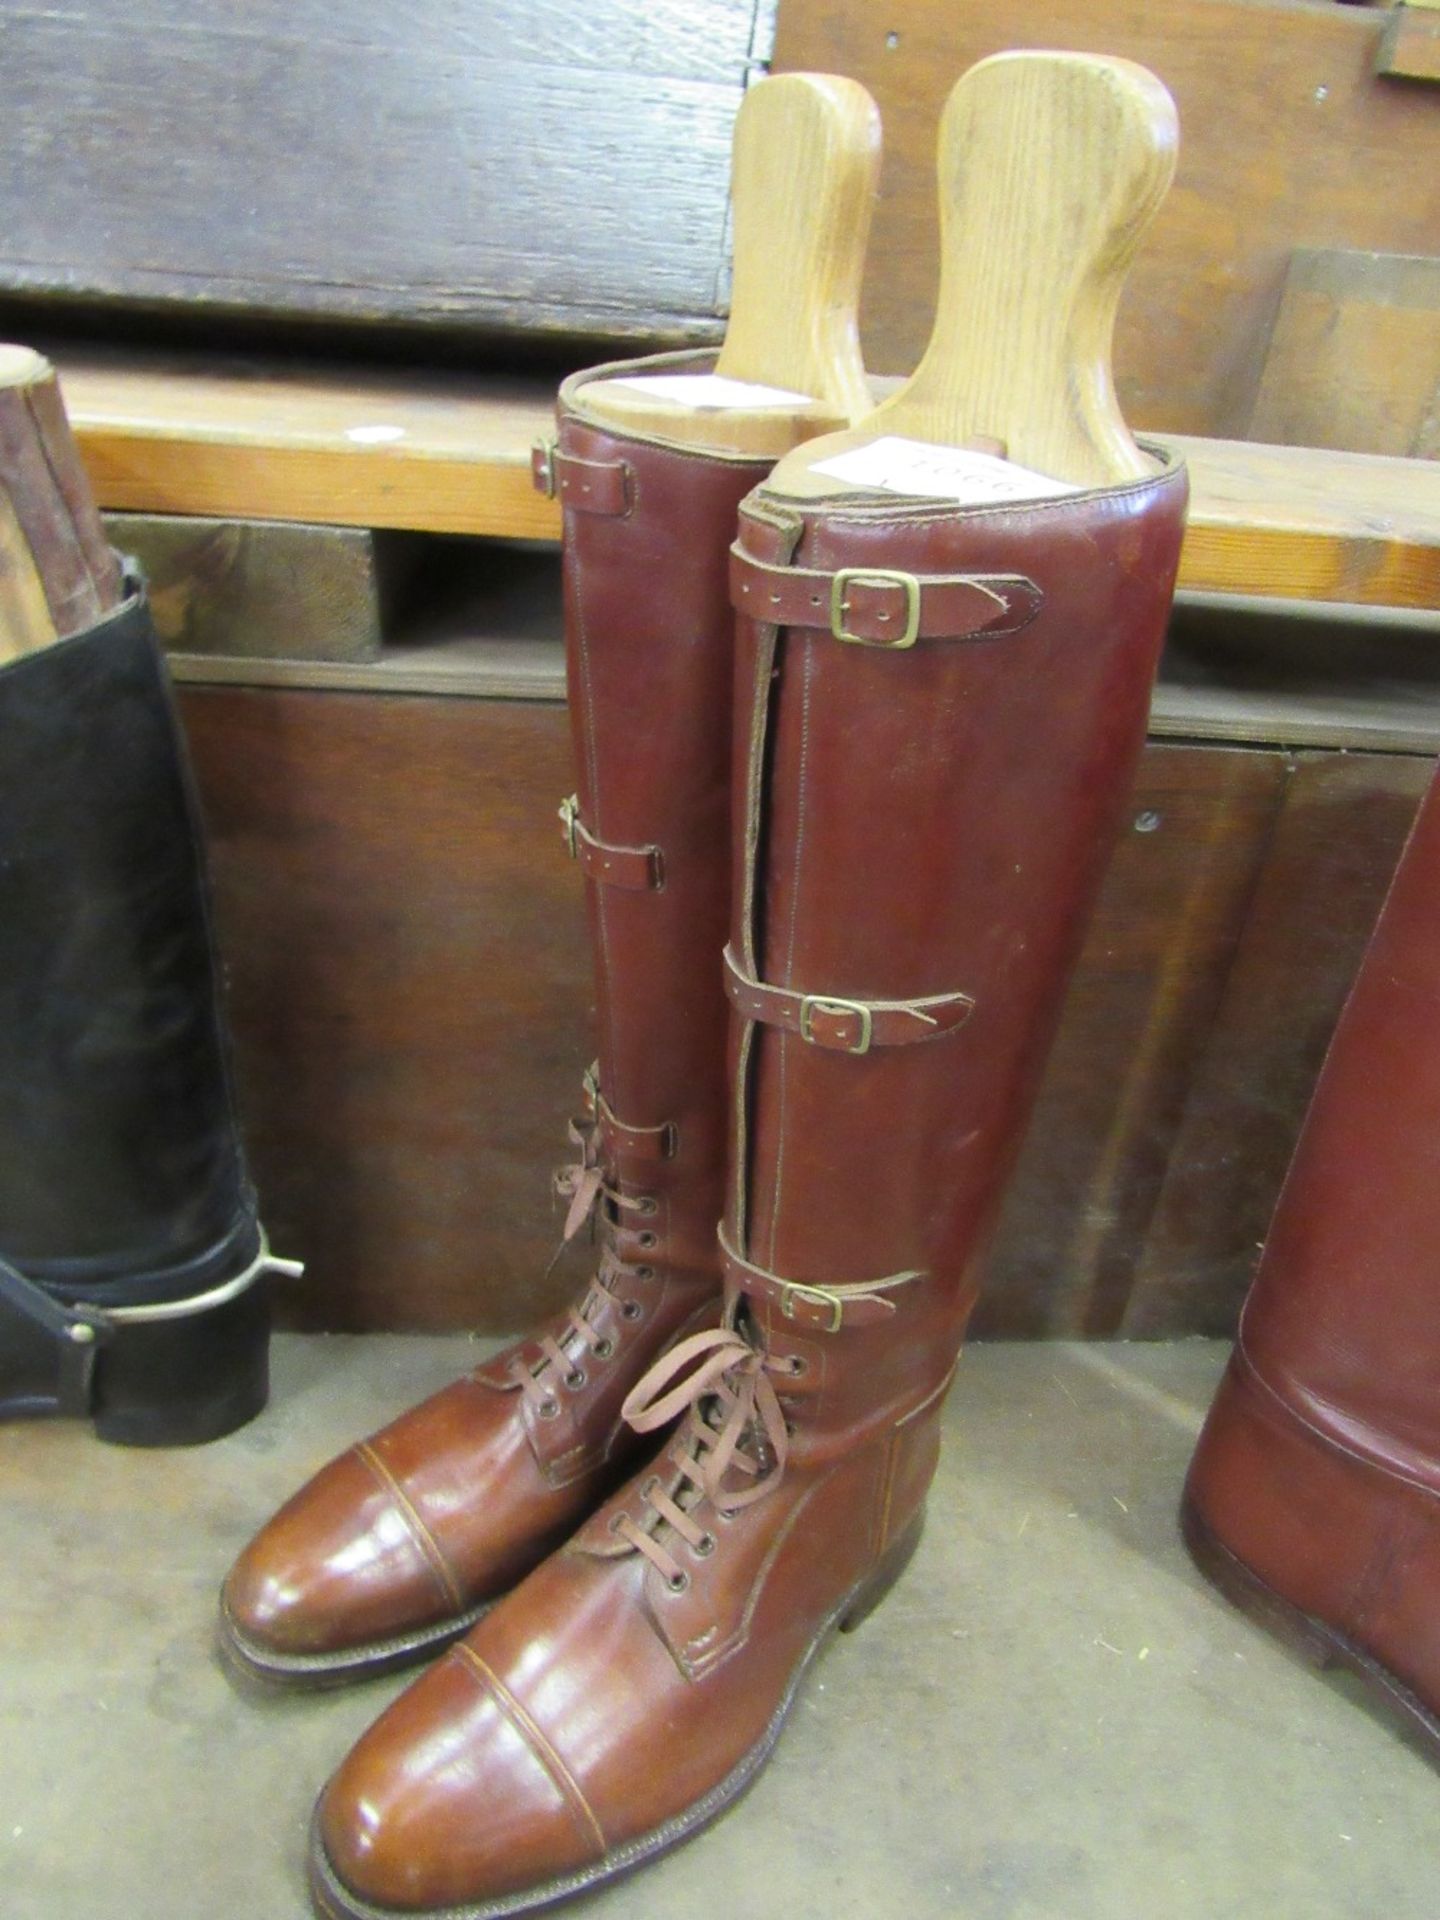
(1313, 1501)
(405, 1540)
(934, 746)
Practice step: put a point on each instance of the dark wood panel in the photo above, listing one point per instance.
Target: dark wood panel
(1336, 842)
(412, 1002)
(1151, 975)
(409, 991)
(1285, 133)
(261, 589)
(518, 166)
(1353, 358)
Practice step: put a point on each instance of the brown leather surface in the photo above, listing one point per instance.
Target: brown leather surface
(903, 821)
(461, 1496)
(1319, 1467)
(873, 606)
(851, 1026)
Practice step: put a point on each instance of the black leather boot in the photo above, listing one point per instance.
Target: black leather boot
(131, 1260)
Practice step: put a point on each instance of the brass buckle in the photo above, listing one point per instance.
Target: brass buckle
(570, 819)
(813, 1003)
(822, 1296)
(879, 577)
(542, 466)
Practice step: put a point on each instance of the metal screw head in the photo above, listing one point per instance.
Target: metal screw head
(82, 1333)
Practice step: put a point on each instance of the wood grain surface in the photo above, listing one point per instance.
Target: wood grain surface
(411, 1002)
(1333, 848)
(525, 166)
(1354, 355)
(182, 434)
(805, 168)
(1051, 168)
(258, 589)
(1287, 139)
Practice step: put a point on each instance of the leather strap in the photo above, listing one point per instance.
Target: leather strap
(839, 1023)
(646, 1143)
(638, 869)
(77, 1335)
(635, 1143)
(881, 606)
(819, 1309)
(585, 486)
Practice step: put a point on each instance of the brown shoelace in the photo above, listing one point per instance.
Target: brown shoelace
(584, 1186)
(735, 1424)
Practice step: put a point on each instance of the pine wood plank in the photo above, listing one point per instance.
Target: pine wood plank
(437, 453)
(450, 453)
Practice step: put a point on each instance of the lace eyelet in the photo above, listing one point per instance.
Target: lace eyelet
(576, 1379)
(798, 1365)
(704, 1546)
(649, 1486)
(604, 1349)
(646, 1240)
(631, 1310)
(548, 1409)
(644, 1273)
(648, 1205)
(679, 1582)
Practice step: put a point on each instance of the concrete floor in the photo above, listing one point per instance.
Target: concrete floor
(1051, 1718)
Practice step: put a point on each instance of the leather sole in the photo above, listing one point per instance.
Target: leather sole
(1313, 1640)
(332, 1900)
(253, 1662)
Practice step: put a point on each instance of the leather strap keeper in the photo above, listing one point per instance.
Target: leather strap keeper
(585, 486)
(881, 607)
(636, 1143)
(638, 869)
(818, 1309)
(840, 1024)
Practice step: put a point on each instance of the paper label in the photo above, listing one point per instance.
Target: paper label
(712, 390)
(896, 465)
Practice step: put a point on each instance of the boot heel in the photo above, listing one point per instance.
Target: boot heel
(887, 1570)
(178, 1383)
(1309, 1639)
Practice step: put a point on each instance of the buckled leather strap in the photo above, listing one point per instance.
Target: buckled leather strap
(840, 1024)
(585, 486)
(819, 1309)
(638, 869)
(881, 606)
(77, 1332)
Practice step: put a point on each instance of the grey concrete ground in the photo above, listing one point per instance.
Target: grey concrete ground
(1051, 1718)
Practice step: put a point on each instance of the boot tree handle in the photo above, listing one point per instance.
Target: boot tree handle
(1052, 166)
(57, 573)
(804, 172)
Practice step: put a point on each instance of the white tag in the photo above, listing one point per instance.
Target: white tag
(940, 473)
(711, 390)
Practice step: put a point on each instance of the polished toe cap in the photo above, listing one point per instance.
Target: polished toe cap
(454, 1797)
(338, 1568)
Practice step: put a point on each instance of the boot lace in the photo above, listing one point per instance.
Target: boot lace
(584, 1186)
(735, 1426)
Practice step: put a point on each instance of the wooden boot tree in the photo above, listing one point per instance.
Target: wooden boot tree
(805, 167)
(1051, 166)
(57, 572)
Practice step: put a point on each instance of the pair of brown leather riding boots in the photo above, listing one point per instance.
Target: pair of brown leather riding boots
(875, 749)
(847, 785)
